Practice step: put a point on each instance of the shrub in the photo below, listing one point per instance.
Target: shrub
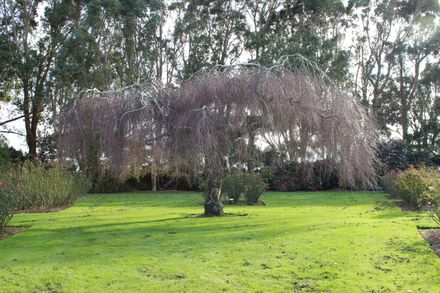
(418, 186)
(9, 155)
(268, 174)
(8, 196)
(250, 185)
(165, 181)
(254, 187)
(234, 186)
(434, 212)
(46, 187)
(294, 176)
(105, 183)
(388, 182)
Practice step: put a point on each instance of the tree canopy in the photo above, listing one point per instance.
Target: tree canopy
(202, 122)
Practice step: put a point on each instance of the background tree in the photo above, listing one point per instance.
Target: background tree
(32, 58)
(394, 40)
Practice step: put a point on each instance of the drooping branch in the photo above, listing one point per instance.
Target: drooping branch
(207, 119)
(321, 118)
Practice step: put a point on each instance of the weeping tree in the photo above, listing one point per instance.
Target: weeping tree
(214, 113)
(112, 131)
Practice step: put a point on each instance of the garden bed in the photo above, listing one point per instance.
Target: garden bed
(432, 236)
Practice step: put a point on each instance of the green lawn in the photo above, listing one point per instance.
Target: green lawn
(311, 242)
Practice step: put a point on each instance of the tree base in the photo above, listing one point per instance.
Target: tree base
(213, 208)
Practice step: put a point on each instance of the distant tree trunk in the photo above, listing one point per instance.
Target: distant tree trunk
(156, 160)
(154, 170)
(213, 205)
(250, 160)
(154, 178)
(407, 95)
(404, 117)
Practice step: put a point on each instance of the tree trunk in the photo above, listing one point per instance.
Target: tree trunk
(31, 139)
(29, 119)
(404, 120)
(213, 205)
(154, 181)
(155, 163)
(250, 155)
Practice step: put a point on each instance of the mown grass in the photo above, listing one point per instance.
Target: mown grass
(301, 242)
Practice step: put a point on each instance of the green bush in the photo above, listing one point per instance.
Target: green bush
(47, 187)
(418, 187)
(294, 176)
(254, 188)
(233, 186)
(388, 182)
(8, 155)
(434, 203)
(8, 196)
(433, 195)
(250, 185)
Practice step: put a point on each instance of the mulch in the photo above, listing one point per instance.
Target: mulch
(432, 236)
(224, 215)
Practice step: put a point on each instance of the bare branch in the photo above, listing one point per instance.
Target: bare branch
(11, 120)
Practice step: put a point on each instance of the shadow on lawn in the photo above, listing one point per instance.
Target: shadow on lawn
(159, 237)
(60, 242)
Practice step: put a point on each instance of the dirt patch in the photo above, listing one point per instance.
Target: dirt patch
(49, 210)
(239, 203)
(432, 236)
(406, 207)
(8, 231)
(224, 215)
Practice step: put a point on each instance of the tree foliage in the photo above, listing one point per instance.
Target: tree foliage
(204, 120)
